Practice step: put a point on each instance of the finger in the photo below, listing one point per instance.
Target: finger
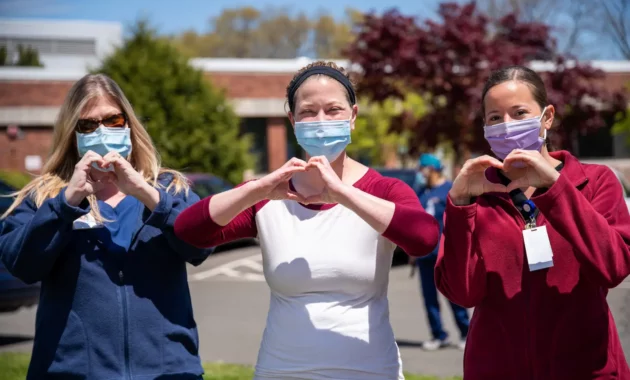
(90, 155)
(117, 161)
(483, 162)
(490, 161)
(289, 171)
(316, 164)
(293, 196)
(294, 162)
(87, 160)
(515, 157)
(492, 187)
(321, 159)
(517, 184)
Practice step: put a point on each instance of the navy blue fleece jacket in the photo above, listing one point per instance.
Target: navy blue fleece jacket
(106, 313)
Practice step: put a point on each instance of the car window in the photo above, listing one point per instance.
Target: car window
(202, 189)
(408, 176)
(218, 185)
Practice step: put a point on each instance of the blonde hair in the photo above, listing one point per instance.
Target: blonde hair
(64, 154)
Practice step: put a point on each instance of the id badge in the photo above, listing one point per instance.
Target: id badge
(86, 222)
(538, 248)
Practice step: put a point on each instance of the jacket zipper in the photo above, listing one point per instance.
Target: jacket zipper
(121, 276)
(125, 324)
(527, 296)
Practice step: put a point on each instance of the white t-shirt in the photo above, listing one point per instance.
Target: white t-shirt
(328, 272)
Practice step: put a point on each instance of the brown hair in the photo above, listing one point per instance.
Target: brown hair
(517, 73)
(330, 64)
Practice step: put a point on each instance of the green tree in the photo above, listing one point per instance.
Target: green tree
(28, 56)
(622, 122)
(375, 139)
(249, 32)
(332, 37)
(193, 127)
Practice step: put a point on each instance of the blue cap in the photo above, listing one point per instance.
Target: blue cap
(429, 160)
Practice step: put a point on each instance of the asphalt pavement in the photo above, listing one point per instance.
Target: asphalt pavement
(230, 300)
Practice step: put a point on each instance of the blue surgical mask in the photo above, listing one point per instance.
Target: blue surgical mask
(421, 181)
(104, 140)
(323, 138)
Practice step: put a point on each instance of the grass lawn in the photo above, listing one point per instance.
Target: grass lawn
(13, 367)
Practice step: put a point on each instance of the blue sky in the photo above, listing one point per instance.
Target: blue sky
(172, 16)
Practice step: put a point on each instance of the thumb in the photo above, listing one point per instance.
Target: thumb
(495, 188)
(517, 184)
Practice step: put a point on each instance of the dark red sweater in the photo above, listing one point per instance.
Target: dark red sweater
(553, 323)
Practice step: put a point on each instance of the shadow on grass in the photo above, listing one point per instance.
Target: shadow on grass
(13, 366)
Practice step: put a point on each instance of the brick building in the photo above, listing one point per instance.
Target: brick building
(30, 97)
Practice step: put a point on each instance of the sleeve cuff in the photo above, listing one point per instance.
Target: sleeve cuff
(65, 210)
(460, 211)
(547, 200)
(162, 212)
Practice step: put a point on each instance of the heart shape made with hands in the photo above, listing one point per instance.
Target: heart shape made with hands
(327, 175)
(101, 176)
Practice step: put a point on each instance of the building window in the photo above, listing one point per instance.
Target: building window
(51, 45)
(257, 127)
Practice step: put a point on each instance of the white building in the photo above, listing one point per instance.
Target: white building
(62, 45)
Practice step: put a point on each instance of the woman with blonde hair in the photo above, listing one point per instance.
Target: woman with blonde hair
(96, 228)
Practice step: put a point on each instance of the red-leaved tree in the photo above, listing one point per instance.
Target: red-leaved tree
(449, 61)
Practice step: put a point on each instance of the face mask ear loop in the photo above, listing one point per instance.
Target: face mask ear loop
(544, 129)
(542, 114)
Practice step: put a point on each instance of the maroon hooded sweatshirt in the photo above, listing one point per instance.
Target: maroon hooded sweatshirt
(552, 323)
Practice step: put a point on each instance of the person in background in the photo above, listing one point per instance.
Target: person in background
(433, 198)
(533, 240)
(96, 228)
(327, 229)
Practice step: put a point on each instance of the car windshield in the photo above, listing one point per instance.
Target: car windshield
(408, 176)
(209, 186)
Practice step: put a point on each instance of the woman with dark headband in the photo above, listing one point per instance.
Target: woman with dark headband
(327, 228)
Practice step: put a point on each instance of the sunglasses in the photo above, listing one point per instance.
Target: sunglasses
(91, 125)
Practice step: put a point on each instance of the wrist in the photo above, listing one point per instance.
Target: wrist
(459, 199)
(254, 192)
(147, 195)
(344, 194)
(73, 197)
(554, 179)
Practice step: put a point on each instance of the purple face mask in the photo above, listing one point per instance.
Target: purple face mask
(521, 134)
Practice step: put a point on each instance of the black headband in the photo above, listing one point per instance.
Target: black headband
(323, 70)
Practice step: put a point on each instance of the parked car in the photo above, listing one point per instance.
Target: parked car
(204, 185)
(207, 184)
(408, 176)
(14, 293)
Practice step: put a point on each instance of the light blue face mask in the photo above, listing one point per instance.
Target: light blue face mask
(104, 140)
(323, 138)
(421, 181)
